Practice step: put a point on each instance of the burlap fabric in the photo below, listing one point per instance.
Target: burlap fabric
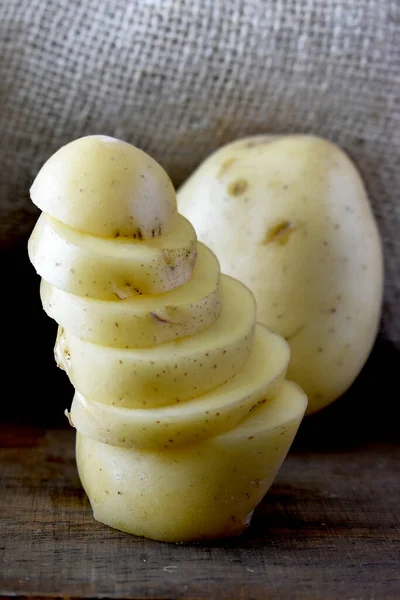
(180, 77)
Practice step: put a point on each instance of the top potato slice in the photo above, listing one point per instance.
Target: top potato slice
(105, 187)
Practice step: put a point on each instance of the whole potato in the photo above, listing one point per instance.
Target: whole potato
(289, 217)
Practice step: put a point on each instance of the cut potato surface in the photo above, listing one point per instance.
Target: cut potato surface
(106, 187)
(169, 373)
(203, 417)
(201, 491)
(142, 321)
(112, 269)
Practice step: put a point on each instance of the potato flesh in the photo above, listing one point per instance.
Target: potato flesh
(142, 321)
(168, 373)
(205, 416)
(106, 187)
(110, 269)
(290, 218)
(202, 491)
(182, 412)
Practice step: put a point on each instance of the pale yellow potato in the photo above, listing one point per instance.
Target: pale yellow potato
(142, 321)
(200, 491)
(290, 218)
(106, 187)
(202, 417)
(183, 416)
(112, 268)
(169, 373)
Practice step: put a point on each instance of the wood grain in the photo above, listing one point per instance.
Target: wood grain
(329, 528)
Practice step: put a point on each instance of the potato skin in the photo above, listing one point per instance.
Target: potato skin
(289, 217)
(106, 187)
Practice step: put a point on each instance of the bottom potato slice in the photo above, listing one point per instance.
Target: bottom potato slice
(203, 417)
(201, 491)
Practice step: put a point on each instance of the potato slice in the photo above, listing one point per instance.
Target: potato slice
(108, 269)
(142, 321)
(169, 373)
(203, 417)
(106, 187)
(202, 491)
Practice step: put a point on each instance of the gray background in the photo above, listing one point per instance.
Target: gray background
(180, 77)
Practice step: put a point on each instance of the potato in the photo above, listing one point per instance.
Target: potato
(205, 416)
(168, 373)
(107, 188)
(141, 321)
(108, 269)
(201, 491)
(290, 218)
(183, 416)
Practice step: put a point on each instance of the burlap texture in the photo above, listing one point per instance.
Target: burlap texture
(180, 77)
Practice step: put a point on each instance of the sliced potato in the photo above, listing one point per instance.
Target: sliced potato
(188, 422)
(201, 491)
(106, 187)
(108, 269)
(169, 373)
(182, 414)
(141, 321)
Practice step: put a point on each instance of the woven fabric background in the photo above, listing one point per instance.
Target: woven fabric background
(178, 78)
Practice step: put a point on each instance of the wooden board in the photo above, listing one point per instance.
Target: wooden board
(328, 529)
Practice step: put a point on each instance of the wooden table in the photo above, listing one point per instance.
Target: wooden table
(328, 529)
